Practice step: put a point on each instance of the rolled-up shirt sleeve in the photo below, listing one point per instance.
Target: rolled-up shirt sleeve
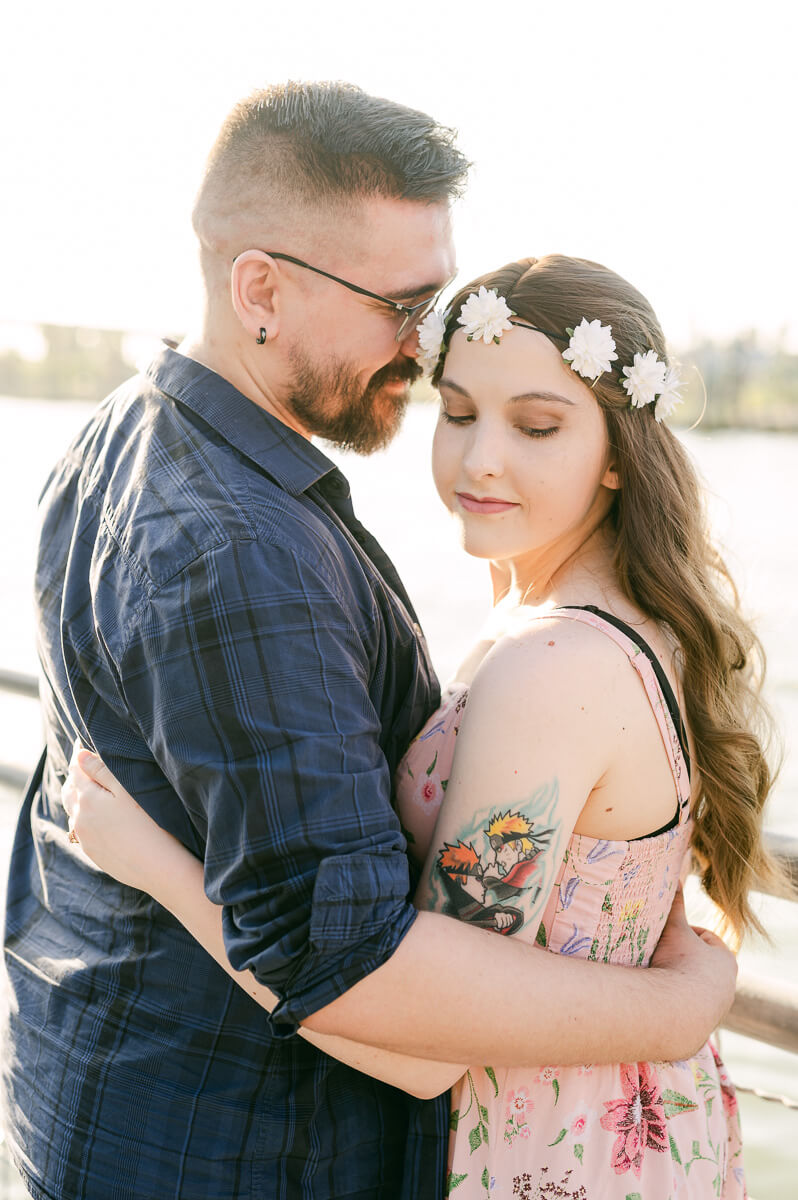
(251, 674)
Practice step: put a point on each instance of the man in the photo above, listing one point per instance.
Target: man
(216, 622)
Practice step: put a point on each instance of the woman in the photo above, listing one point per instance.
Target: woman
(573, 785)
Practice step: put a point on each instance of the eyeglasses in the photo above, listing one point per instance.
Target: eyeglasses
(411, 314)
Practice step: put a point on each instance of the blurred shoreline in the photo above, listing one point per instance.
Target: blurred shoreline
(744, 382)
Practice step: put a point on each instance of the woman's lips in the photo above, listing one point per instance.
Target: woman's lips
(485, 506)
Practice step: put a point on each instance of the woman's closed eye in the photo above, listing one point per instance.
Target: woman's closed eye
(532, 431)
(536, 432)
(455, 418)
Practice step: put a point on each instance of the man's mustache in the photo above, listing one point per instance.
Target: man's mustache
(404, 372)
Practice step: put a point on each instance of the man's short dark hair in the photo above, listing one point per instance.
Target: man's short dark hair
(332, 142)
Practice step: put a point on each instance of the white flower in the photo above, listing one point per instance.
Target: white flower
(485, 315)
(670, 396)
(646, 378)
(591, 349)
(430, 341)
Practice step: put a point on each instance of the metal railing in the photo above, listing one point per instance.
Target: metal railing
(764, 1009)
(15, 681)
(20, 685)
(767, 1009)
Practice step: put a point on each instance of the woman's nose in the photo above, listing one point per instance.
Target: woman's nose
(483, 454)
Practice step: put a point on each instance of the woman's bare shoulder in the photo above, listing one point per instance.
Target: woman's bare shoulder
(551, 650)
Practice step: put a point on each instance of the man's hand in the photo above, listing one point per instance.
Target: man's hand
(710, 971)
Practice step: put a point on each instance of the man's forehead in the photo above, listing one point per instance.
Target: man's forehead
(405, 247)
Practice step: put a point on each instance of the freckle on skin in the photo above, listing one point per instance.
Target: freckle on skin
(550, 643)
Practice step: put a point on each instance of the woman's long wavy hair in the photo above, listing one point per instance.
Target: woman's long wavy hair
(667, 566)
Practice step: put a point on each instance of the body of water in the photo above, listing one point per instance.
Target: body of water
(753, 483)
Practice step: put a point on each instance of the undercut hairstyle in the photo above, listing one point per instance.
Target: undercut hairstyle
(326, 145)
(667, 565)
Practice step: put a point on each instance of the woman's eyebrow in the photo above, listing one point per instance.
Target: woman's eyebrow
(555, 396)
(541, 396)
(455, 387)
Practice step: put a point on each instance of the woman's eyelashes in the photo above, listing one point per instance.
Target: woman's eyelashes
(451, 419)
(532, 431)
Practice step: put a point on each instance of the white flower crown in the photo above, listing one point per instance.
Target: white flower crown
(590, 352)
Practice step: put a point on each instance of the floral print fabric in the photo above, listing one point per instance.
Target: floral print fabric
(630, 1131)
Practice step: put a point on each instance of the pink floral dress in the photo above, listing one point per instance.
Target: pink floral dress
(631, 1131)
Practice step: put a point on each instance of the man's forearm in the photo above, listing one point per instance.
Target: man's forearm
(177, 883)
(454, 992)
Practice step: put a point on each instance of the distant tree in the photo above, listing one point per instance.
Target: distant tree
(79, 364)
(742, 382)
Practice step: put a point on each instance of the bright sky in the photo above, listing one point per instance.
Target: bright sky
(658, 138)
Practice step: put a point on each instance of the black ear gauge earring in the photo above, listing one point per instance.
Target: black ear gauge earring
(261, 337)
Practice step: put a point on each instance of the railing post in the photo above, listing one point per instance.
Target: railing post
(766, 1010)
(23, 685)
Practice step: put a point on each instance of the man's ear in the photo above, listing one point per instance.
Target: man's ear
(254, 292)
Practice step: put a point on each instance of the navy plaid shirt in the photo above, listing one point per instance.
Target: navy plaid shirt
(217, 623)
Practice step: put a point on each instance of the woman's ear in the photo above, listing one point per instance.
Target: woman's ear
(611, 478)
(254, 292)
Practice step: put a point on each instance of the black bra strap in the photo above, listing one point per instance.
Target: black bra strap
(662, 678)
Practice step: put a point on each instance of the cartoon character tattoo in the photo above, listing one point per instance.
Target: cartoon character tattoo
(463, 878)
(477, 891)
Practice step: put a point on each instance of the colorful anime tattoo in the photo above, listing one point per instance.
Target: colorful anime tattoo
(494, 873)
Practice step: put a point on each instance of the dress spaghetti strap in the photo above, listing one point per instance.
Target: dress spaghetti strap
(658, 689)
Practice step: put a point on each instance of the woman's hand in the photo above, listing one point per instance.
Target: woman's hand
(111, 828)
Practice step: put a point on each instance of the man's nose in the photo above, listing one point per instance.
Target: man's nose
(408, 345)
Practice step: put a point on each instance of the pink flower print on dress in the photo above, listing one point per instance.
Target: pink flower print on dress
(548, 1075)
(729, 1095)
(429, 791)
(519, 1107)
(578, 1129)
(727, 1088)
(519, 1103)
(638, 1118)
(578, 1125)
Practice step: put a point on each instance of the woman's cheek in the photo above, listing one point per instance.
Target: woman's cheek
(442, 464)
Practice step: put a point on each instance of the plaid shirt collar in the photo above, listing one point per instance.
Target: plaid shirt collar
(290, 459)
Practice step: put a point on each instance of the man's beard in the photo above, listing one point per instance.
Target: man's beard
(364, 419)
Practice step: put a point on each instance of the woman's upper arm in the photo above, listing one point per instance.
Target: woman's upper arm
(534, 742)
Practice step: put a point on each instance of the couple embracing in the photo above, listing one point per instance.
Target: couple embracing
(301, 926)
